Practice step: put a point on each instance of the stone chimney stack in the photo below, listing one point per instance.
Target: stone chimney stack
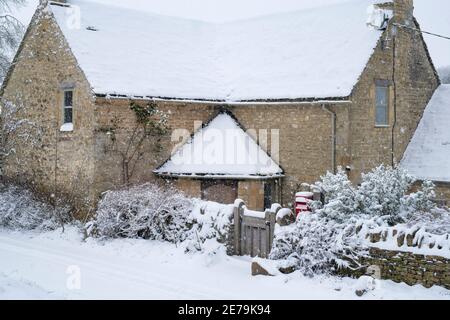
(404, 11)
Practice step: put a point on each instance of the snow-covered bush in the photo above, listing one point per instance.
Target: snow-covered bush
(330, 237)
(20, 209)
(420, 201)
(211, 223)
(147, 211)
(316, 245)
(340, 196)
(382, 191)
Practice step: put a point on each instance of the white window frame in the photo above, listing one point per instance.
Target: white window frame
(67, 126)
(383, 84)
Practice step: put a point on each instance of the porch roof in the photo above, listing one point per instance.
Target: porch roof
(221, 149)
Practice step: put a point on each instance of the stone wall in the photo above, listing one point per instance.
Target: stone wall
(419, 259)
(304, 138)
(250, 191)
(411, 268)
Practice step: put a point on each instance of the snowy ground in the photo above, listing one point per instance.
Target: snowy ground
(61, 266)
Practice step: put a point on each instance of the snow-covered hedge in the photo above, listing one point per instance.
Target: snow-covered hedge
(211, 224)
(329, 237)
(20, 209)
(160, 213)
(146, 211)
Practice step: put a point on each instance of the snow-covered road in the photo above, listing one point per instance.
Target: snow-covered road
(62, 266)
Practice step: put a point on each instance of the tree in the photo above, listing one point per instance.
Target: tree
(14, 128)
(151, 125)
(11, 32)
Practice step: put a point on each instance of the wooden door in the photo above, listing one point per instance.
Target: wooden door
(221, 191)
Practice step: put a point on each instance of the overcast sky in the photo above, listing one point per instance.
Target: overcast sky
(433, 15)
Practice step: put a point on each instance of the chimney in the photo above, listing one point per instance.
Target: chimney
(404, 11)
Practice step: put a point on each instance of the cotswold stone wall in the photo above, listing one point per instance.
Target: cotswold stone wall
(304, 141)
(419, 261)
(411, 268)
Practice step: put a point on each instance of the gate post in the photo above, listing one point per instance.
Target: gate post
(271, 220)
(238, 212)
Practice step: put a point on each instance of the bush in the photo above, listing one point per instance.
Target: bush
(340, 197)
(147, 211)
(21, 209)
(382, 191)
(211, 224)
(328, 238)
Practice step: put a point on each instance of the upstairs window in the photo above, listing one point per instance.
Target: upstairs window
(382, 104)
(68, 107)
(68, 111)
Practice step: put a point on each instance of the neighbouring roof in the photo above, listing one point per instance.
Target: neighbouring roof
(221, 149)
(428, 154)
(311, 53)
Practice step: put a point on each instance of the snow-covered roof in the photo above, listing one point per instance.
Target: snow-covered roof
(310, 53)
(428, 154)
(221, 149)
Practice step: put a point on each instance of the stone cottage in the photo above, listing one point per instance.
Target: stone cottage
(307, 91)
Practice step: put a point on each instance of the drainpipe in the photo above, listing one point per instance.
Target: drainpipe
(394, 124)
(333, 136)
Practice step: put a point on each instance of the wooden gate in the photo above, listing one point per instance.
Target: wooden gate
(253, 230)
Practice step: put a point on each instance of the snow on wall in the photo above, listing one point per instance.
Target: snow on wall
(410, 239)
(427, 156)
(308, 53)
(221, 148)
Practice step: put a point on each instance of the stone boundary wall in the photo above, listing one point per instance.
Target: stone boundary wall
(410, 268)
(428, 268)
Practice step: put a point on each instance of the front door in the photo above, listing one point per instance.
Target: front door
(221, 191)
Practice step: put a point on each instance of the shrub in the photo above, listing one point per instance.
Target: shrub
(328, 238)
(147, 211)
(21, 209)
(211, 224)
(340, 196)
(382, 191)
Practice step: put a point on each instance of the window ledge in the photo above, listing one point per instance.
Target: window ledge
(67, 127)
(382, 126)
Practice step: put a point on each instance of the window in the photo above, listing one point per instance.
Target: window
(68, 106)
(382, 105)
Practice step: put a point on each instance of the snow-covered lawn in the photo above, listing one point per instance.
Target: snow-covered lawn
(47, 265)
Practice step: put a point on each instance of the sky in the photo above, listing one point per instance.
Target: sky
(433, 15)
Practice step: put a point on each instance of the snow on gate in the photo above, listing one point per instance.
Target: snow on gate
(253, 230)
